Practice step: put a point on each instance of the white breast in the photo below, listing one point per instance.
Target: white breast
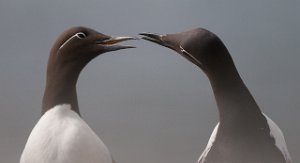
(61, 136)
(275, 132)
(209, 144)
(280, 143)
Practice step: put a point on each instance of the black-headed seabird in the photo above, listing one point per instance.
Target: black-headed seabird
(61, 135)
(244, 134)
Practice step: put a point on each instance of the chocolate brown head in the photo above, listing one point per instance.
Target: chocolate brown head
(72, 51)
(200, 46)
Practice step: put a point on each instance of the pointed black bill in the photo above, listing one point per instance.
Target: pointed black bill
(111, 43)
(156, 38)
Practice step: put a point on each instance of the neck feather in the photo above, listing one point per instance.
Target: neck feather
(234, 101)
(61, 88)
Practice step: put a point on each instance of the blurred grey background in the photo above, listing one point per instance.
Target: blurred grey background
(149, 105)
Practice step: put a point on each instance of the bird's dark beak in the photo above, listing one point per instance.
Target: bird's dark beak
(153, 38)
(172, 42)
(110, 43)
(163, 40)
(156, 38)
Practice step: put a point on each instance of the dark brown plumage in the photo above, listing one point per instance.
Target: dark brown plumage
(72, 51)
(61, 135)
(244, 133)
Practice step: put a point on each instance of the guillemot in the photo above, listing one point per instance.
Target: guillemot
(61, 135)
(244, 134)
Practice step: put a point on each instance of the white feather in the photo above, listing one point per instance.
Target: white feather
(61, 136)
(275, 132)
(209, 144)
(280, 143)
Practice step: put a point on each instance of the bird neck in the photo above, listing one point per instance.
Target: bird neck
(61, 88)
(234, 101)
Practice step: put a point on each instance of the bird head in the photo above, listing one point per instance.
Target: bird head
(199, 46)
(77, 46)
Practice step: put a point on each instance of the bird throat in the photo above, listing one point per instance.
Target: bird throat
(234, 100)
(60, 89)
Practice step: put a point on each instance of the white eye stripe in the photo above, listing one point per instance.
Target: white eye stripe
(190, 55)
(79, 35)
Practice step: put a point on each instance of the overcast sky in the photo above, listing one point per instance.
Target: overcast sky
(149, 105)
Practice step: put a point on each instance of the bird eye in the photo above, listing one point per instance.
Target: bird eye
(80, 35)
